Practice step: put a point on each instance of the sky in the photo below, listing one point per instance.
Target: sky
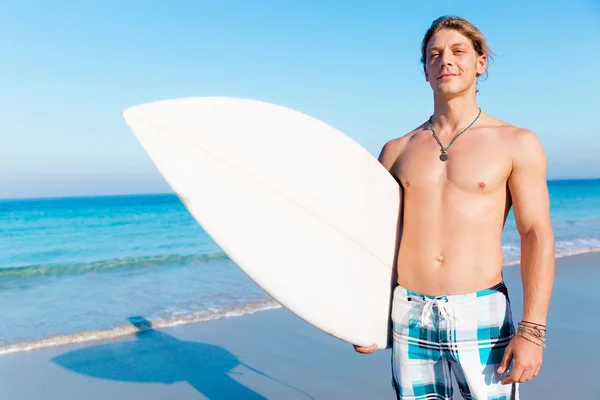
(69, 68)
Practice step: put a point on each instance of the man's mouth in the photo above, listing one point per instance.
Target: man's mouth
(446, 75)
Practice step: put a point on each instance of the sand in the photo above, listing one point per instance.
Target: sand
(275, 355)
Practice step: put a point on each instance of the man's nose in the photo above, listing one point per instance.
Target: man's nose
(446, 58)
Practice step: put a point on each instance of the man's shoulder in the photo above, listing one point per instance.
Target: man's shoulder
(395, 145)
(399, 143)
(517, 137)
(393, 148)
(510, 131)
(523, 143)
(526, 149)
(523, 140)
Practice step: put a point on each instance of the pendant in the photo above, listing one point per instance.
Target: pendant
(443, 156)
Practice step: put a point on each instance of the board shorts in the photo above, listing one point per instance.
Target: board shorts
(465, 335)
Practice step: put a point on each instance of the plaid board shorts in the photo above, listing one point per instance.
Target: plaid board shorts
(462, 335)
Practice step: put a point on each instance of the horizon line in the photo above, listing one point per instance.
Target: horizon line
(82, 196)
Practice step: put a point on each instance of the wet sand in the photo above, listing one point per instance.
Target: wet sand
(275, 355)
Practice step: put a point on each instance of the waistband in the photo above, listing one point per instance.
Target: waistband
(409, 294)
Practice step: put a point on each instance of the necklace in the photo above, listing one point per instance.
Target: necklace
(444, 150)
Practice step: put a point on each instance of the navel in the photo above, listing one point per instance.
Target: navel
(439, 259)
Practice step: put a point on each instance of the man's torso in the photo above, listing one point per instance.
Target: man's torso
(454, 211)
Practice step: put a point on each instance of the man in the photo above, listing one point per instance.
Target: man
(460, 172)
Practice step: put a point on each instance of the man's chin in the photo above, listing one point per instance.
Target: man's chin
(447, 91)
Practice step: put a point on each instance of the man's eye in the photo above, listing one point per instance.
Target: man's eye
(434, 55)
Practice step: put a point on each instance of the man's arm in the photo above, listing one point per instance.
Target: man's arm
(531, 204)
(387, 157)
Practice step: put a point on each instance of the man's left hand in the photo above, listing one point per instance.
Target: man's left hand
(527, 358)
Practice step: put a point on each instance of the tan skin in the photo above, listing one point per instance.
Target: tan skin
(454, 211)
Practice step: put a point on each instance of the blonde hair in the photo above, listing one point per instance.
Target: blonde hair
(464, 27)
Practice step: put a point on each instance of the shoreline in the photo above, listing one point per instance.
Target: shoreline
(276, 355)
(196, 317)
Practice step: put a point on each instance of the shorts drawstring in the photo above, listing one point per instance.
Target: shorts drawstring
(441, 303)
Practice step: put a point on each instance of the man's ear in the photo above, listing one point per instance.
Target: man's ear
(425, 72)
(481, 64)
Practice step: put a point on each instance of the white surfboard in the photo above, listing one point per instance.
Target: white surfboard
(306, 212)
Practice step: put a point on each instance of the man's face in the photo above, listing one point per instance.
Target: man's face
(452, 64)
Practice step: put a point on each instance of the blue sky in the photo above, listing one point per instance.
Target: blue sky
(69, 68)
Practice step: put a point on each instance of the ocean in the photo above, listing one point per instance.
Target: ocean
(78, 269)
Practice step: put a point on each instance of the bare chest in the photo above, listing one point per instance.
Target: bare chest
(477, 163)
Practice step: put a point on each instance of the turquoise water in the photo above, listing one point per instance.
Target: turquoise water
(575, 214)
(78, 268)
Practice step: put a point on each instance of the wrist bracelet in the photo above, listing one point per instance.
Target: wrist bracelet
(542, 345)
(532, 323)
(536, 333)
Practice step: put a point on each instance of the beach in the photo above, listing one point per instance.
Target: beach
(274, 355)
(173, 175)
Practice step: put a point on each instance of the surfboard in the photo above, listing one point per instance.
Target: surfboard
(304, 210)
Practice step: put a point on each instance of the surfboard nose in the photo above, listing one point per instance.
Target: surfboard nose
(127, 113)
(137, 117)
(135, 112)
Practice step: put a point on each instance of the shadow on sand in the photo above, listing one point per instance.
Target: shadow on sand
(157, 357)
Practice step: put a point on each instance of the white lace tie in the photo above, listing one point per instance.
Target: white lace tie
(427, 313)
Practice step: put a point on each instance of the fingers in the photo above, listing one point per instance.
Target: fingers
(527, 375)
(366, 349)
(515, 375)
(526, 359)
(521, 374)
(363, 350)
(530, 373)
(505, 360)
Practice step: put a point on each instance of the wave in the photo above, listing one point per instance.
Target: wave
(46, 270)
(571, 222)
(563, 249)
(563, 253)
(126, 330)
(197, 316)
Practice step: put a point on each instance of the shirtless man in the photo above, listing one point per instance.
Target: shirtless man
(451, 314)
